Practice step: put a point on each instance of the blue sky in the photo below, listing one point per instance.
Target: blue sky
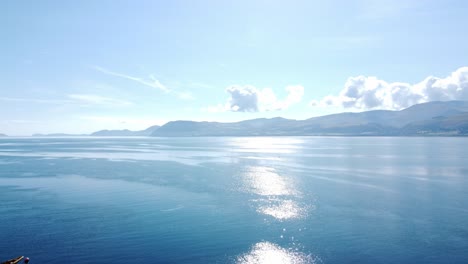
(82, 66)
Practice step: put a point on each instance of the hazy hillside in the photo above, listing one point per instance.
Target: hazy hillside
(456, 125)
(124, 132)
(435, 117)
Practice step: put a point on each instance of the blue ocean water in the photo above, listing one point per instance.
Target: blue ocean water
(234, 200)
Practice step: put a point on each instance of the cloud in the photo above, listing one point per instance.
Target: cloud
(98, 100)
(250, 99)
(295, 93)
(363, 92)
(243, 99)
(152, 82)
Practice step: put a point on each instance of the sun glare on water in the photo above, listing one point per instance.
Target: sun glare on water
(267, 145)
(266, 252)
(277, 194)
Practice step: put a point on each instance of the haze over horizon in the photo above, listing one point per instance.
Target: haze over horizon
(79, 67)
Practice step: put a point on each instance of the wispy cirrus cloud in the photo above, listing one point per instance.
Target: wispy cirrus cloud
(151, 82)
(98, 100)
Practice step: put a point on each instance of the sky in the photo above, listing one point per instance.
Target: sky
(83, 66)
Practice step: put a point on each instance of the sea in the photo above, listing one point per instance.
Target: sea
(234, 199)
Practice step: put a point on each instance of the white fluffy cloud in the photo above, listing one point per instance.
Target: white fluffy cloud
(363, 92)
(243, 99)
(250, 99)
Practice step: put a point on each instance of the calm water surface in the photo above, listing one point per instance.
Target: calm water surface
(234, 200)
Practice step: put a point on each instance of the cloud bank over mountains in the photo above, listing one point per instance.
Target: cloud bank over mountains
(359, 93)
(365, 93)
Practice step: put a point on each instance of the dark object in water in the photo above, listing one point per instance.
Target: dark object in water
(15, 260)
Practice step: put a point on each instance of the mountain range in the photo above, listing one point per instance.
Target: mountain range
(448, 118)
(433, 118)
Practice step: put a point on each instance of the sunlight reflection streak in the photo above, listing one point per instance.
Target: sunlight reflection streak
(277, 193)
(266, 252)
